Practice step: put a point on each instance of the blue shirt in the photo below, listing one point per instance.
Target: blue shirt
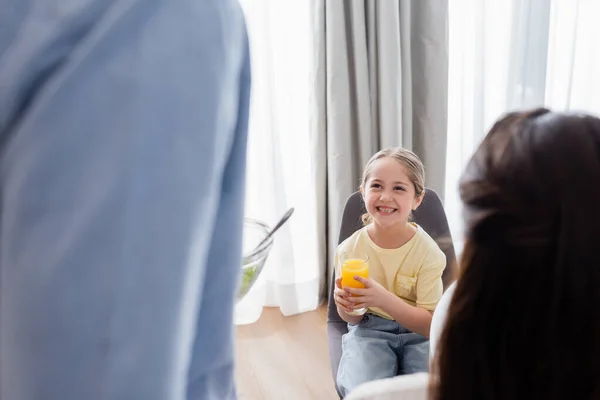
(122, 160)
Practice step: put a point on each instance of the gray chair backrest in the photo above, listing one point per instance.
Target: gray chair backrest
(430, 216)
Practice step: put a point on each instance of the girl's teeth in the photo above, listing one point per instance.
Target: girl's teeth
(386, 210)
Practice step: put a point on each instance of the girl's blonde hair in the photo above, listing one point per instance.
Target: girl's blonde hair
(410, 161)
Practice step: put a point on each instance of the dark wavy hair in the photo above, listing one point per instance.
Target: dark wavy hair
(524, 321)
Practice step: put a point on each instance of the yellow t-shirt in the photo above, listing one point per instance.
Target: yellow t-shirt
(412, 272)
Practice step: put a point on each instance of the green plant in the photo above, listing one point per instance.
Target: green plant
(248, 274)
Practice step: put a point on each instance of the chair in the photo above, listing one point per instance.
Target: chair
(430, 216)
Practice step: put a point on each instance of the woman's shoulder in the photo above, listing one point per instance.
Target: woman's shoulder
(403, 387)
(439, 319)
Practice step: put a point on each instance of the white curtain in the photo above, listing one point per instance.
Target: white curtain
(281, 160)
(505, 55)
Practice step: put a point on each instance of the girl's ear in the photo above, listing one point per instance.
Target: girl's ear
(418, 200)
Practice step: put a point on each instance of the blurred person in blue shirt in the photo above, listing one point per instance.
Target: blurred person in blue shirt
(123, 130)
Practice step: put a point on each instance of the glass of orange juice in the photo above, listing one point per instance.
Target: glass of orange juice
(353, 265)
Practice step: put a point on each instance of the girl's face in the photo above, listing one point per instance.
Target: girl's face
(389, 194)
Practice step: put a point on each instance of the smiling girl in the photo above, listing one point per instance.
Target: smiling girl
(405, 276)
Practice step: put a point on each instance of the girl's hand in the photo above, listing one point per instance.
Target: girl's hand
(373, 295)
(340, 296)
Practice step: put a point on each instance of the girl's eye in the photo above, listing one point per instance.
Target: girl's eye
(376, 185)
(399, 188)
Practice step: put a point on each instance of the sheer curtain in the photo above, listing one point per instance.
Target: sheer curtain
(281, 162)
(505, 55)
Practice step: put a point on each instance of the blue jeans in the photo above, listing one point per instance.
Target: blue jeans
(378, 348)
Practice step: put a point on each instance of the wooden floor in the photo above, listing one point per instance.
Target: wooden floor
(284, 358)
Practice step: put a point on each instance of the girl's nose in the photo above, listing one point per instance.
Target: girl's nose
(384, 197)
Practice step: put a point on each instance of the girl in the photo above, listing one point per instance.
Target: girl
(404, 284)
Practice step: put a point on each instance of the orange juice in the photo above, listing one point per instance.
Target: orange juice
(351, 268)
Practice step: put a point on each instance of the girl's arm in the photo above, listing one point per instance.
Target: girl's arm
(415, 319)
(429, 291)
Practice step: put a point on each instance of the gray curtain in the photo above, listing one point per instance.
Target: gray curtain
(380, 78)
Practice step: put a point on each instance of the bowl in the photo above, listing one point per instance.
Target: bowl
(254, 259)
